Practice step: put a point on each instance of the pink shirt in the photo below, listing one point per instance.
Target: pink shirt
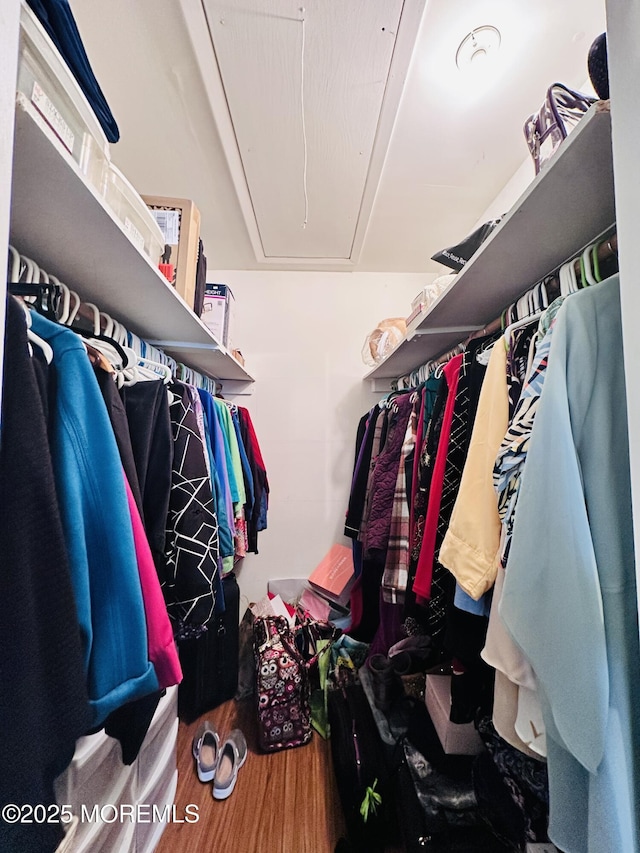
(162, 648)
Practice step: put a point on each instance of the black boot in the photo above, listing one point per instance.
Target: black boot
(386, 683)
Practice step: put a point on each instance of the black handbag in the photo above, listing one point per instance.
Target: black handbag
(210, 662)
(361, 771)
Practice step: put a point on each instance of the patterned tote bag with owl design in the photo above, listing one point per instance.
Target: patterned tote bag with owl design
(284, 716)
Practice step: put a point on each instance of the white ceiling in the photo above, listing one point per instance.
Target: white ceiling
(306, 95)
(457, 138)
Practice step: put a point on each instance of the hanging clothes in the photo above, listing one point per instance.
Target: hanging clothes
(378, 439)
(162, 648)
(434, 400)
(424, 569)
(517, 713)
(120, 426)
(258, 519)
(472, 542)
(569, 598)
(147, 408)
(365, 593)
(374, 621)
(224, 503)
(234, 461)
(44, 705)
(242, 541)
(129, 724)
(396, 567)
(358, 494)
(192, 527)
(98, 532)
(460, 631)
(384, 478)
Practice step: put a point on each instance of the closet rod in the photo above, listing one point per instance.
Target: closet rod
(85, 318)
(607, 248)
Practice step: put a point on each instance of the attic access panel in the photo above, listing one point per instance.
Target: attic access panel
(341, 86)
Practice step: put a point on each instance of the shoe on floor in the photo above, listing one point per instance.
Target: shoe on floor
(233, 755)
(206, 749)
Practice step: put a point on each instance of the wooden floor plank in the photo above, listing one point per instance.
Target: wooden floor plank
(285, 802)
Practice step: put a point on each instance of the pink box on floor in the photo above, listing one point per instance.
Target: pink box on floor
(456, 738)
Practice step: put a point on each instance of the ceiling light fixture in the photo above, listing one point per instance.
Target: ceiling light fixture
(477, 47)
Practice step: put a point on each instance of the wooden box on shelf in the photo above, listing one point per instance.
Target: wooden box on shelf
(179, 220)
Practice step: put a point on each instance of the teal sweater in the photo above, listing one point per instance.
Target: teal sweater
(98, 531)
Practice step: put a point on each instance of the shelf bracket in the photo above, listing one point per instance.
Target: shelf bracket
(445, 330)
(381, 385)
(183, 345)
(235, 388)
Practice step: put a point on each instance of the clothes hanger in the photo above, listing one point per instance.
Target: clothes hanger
(545, 293)
(596, 263)
(122, 357)
(156, 367)
(568, 279)
(523, 307)
(73, 312)
(64, 304)
(32, 284)
(585, 265)
(44, 346)
(147, 369)
(519, 324)
(30, 268)
(122, 336)
(66, 313)
(109, 325)
(540, 297)
(439, 369)
(15, 260)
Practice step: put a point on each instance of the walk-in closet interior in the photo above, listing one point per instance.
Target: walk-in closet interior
(319, 456)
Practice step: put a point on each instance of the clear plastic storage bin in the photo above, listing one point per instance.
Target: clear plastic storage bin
(45, 80)
(159, 789)
(162, 725)
(149, 834)
(95, 774)
(112, 833)
(133, 213)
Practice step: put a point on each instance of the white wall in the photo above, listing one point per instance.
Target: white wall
(509, 194)
(623, 20)
(301, 335)
(519, 181)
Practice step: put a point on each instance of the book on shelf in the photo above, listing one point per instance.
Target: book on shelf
(334, 575)
(320, 608)
(417, 310)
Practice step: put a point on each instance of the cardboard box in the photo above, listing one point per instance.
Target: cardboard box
(334, 575)
(179, 221)
(218, 311)
(456, 738)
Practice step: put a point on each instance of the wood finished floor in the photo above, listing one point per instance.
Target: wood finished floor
(282, 803)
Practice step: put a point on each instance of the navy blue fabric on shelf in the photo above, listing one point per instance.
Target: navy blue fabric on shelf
(57, 19)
